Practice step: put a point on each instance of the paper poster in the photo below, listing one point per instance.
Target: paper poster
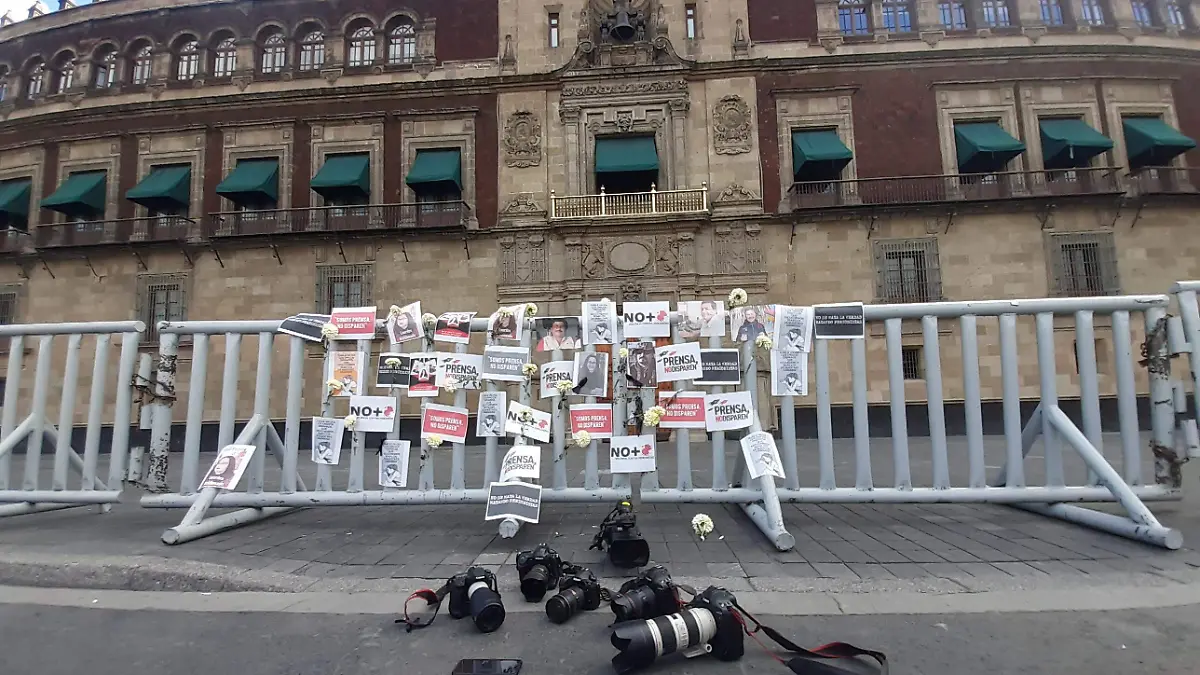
(519, 501)
(720, 367)
(632, 454)
(599, 323)
(647, 319)
(591, 374)
(789, 373)
(793, 328)
(460, 370)
(762, 456)
(685, 409)
(327, 439)
(701, 318)
(553, 373)
(522, 461)
(306, 326)
(507, 323)
(728, 412)
(228, 467)
(844, 321)
(453, 327)
(748, 322)
(446, 421)
(491, 413)
(558, 332)
(407, 325)
(525, 421)
(674, 363)
(393, 370)
(504, 364)
(422, 375)
(345, 367)
(640, 372)
(354, 323)
(374, 413)
(594, 418)
(393, 464)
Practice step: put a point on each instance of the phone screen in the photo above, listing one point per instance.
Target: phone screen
(488, 667)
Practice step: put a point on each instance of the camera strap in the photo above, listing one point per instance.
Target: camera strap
(814, 661)
(431, 598)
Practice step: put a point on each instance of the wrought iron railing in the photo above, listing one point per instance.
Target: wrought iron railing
(105, 232)
(1165, 180)
(625, 204)
(13, 240)
(427, 215)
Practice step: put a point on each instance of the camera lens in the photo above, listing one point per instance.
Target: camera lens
(636, 604)
(641, 642)
(534, 584)
(565, 605)
(487, 611)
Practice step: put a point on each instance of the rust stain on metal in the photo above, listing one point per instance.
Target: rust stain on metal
(1168, 465)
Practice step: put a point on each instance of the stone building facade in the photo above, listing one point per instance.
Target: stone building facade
(805, 150)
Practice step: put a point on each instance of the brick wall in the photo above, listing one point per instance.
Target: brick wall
(782, 20)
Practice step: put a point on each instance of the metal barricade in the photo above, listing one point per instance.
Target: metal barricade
(35, 430)
(1183, 337)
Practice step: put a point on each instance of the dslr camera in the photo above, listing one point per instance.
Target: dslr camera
(474, 593)
(707, 625)
(577, 592)
(539, 571)
(652, 594)
(620, 534)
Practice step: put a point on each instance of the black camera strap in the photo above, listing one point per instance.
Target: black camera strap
(431, 598)
(815, 661)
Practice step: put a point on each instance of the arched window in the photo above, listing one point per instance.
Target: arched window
(64, 75)
(143, 65)
(274, 53)
(105, 74)
(362, 47)
(312, 51)
(3, 85)
(37, 80)
(188, 60)
(225, 58)
(402, 42)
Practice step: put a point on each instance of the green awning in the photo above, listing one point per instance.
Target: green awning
(14, 198)
(164, 188)
(1070, 143)
(435, 168)
(818, 155)
(82, 194)
(252, 182)
(984, 147)
(631, 154)
(1149, 141)
(343, 176)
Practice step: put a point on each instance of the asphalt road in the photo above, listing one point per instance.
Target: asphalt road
(68, 641)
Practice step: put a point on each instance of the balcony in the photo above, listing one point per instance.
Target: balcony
(953, 188)
(13, 240)
(632, 204)
(334, 219)
(1165, 180)
(108, 232)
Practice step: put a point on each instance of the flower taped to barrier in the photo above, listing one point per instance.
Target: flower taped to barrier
(520, 501)
(327, 440)
(228, 467)
(728, 412)
(678, 362)
(594, 418)
(393, 464)
(373, 413)
(632, 454)
(353, 323)
(521, 461)
(446, 421)
(489, 416)
(393, 370)
(525, 421)
(684, 409)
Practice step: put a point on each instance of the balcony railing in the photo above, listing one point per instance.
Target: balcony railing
(1166, 180)
(626, 204)
(13, 240)
(106, 232)
(906, 190)
(375, 217)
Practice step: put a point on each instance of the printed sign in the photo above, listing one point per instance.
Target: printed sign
(793, 328)
(459, 370)
(701, 318)
(522, 461)
(327, 440)
(525, 421)
(354, 323)
(519, 501)
(345, 368)
(639, 366)
(720, 367)
(507, 323)
(393, 370)
(678, 362)
(762, 456)
(594, 418)
(228, 467)
(599, 323)
(306, 326)
(647, 319)
(727, 412)
(422, 375)
(393, 464)
(747, 323)
(632, 454)
(504, 363)
(591, 374)
(446, 421)
(685, 409)
(453, 327)
(789, 373)
(843, 321)
(374, 413)
(558, 332)
(406, 325)
(489, 417)
(553, 373)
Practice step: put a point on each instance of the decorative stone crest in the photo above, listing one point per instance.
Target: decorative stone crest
(735, 193)
(731, 126)
(522, 204)
(523, 259)
(523, 140)
(740, 251)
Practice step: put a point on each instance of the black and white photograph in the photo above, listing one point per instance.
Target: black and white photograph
(422, 375)
(762, 455)
(558, 332)
(327, 439)
(453, 327)
(720, 367)
(506, 323)
(599, 323)
(793, 328)
(591, 373)
(228, 467)
(504, 364)
(748, 322)
(393, 370)
(490, 415)
(701, 318)
(406, 325)
(521, 501)
(640, 372)
(393, 464)
(305, 326)
(789, 373)
(843, 321)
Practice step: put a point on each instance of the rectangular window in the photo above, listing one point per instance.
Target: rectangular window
(953, 15)
(1142, 14)
(1092, 12)
(907, 270)
(344, 286)
(897, 16)
(8, 308)
(853, 17)
(1173, 14)
(554, 30)
(910, 359)
(1083, 264)
(161, 297)
(995, 13)
(1052, 13)
(689, 13)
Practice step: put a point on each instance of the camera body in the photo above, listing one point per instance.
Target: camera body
(652, 594)
(577, 592)
(539, 571)
(619, 532)
(728, 644)
(709, 624)
(460, 589)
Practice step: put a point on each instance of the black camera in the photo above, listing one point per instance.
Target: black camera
(709, 624)
(652, 594)
(474, 593)
(619, 532)
(577, 592)
(539, 571)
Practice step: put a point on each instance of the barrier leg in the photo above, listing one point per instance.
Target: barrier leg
(766, 514)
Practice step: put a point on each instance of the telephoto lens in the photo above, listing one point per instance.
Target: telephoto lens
(706, 625)
(652, 594)
(539, 571)
(474, 593)
(577, 592)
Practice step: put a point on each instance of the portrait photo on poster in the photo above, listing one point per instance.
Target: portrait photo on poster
(422, 375)
(558, 332)
(305, 326)
(393, 464)
(640, 372)
(345, 368)
(327, 435)
(490, 416)
(591, 374)
(553, 373)
(228, 467)
(516, 500)
(701, 318)
(678, 362)
(521, 461)
(793, 328)
(406, 325)
(762, 455)
(599, 323)
(720, 367)
(747, 323)
(392, 370)
(646, 319)
(789, 373)
(453, 327)
(504, 364)
(460, 371)
(843, 321)
(507, 323)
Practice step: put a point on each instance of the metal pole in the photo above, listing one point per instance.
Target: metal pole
(1089, 387)
(1011, 386)
(491, 462)
(1167, 464)
(324, 471)
(933, 391)
(683, 441)
(291, 429)
(12, 391)
(458, 452)
(262, 409)
(510, 526)
(1127, 414)
(66, 412)
(164, 400)
(1048, 372)
(195, 415)
(720, 481)
(560, 432)
(767, 514)
(824, 419)
(95, 420)
(358, 439)
(41, 382)
(862, 429)
(591, 472)
(899, 406)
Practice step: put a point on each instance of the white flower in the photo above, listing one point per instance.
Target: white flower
(529, 369)
(505, 311)
(429, 320)
(563, 386)
(530, 309)
(394, 310)
(623, 353)
(334, 386)
(738, 297)
(702, 525)
(582, 439)
(433, 441)
(349, 421)
(526, 417)
(329, 331)
(763, 341)
(654, 415)
(605, 300)
(451, 385)
(393, 362)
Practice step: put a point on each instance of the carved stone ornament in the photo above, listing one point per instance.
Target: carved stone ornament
(735, 193)
(523, 140)
(523, 203)
(523, 259)
(624, 88)
(731, 126)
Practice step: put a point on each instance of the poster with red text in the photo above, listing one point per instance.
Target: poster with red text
(594, 418)
(446, 421)
(353, 323)
(685, 409)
